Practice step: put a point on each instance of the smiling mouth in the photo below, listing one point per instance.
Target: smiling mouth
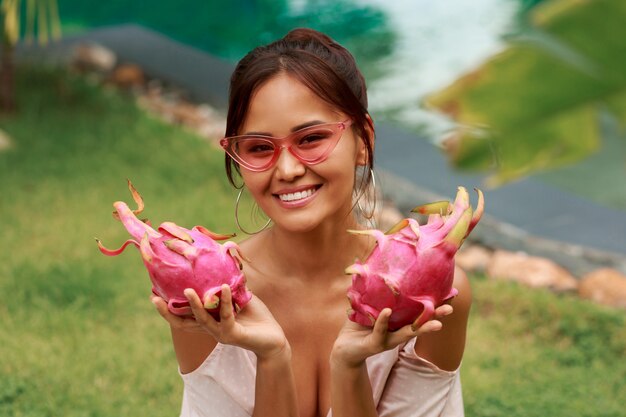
(299, 195)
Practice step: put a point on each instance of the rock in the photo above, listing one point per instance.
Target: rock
(533, 271)
(93, 57)
(187, 114)
(213, 124)
(605, 286)
(127, 76)
(473, 258)
(201, 118)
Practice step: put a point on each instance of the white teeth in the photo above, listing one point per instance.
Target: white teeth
(297, 195)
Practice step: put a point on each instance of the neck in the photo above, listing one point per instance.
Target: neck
(319, 254)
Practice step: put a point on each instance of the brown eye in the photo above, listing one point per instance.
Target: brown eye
(313, 137)
(254, 146)
(259, 148)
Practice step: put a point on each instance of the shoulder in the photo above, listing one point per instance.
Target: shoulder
(253, 247)
(191, 349)
(445, 348)
(254, 261)
(247, 242)
(463, 301)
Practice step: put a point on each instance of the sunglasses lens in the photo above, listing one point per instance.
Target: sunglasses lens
(313, 144)
(254, 152)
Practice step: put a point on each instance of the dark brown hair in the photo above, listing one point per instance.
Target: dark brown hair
(317, 61)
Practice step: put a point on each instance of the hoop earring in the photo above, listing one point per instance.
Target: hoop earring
(237, 216)
(369, 216)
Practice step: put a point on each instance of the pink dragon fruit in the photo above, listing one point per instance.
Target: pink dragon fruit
(178, 258)
(411, 268)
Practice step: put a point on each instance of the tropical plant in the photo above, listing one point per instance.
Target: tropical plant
(229, 29)
(42, 20)
(538, 104)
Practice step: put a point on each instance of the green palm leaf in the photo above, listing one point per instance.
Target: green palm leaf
(44, 12)
(537, 104)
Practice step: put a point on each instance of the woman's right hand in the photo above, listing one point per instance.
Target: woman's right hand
(254, 328)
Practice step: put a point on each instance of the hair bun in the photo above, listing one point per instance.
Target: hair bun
(306, 35)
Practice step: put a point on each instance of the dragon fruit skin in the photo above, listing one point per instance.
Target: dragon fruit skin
(411, 268)
(178, 258)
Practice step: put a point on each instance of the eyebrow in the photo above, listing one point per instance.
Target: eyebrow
(293, 129)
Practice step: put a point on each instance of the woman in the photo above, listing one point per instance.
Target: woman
(291, 351)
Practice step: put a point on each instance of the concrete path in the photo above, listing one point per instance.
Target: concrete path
(205, 77)
(526, 215)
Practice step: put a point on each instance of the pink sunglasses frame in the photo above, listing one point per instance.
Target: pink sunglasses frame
(286, 142)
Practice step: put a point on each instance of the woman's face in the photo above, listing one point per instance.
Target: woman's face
(278, 107)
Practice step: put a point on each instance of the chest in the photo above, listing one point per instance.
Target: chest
(311, 326)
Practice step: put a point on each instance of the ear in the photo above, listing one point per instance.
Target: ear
(362, 153)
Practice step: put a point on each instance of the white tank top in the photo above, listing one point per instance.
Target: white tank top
(403, 385)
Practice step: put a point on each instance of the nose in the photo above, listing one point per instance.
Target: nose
(288, 167)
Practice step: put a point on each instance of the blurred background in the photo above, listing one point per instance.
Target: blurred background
(525, 99)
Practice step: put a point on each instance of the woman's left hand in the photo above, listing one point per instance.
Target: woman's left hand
(356, 343)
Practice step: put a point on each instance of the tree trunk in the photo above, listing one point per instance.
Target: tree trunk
(7, 78)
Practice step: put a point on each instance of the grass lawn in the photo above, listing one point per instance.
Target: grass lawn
(78, 336)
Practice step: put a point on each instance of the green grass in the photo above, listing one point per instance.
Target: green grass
(533, 353)
(78, 336)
